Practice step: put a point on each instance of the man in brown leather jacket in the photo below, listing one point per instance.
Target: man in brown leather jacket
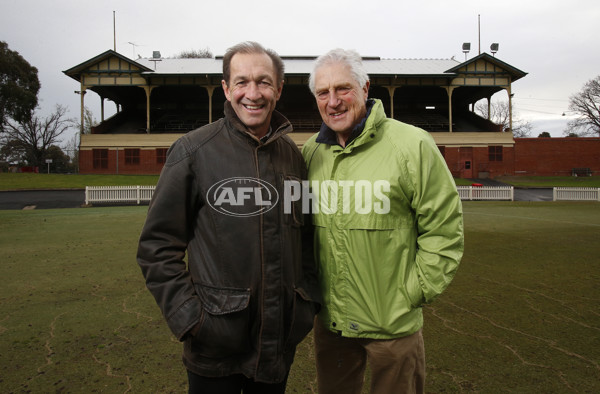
(248, 294)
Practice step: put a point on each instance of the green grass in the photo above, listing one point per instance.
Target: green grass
(27, 181)
(522, 315)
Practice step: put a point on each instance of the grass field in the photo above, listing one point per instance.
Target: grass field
(522, 315)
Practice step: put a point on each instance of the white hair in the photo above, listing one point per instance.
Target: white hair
(348, 57)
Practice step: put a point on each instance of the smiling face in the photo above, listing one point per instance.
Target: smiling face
(341, 101)
(253, 90)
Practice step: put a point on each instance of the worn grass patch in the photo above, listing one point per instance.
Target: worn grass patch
(522, 314)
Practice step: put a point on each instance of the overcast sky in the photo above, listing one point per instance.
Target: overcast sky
(555, 42)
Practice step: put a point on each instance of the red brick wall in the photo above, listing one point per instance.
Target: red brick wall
(147, 165)
(556, 156)
(530, 156)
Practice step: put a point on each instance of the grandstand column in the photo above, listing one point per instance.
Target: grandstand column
(101, 109)
(449, 90)
(508, 90)
(210, 90)
(148, 90)
(82, 95)
(391, 90)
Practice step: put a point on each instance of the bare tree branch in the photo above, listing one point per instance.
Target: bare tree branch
(586, 104)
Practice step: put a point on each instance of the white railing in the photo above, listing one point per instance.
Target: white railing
(576, 194)
(113, 194)
(486, 192)
(139, 194)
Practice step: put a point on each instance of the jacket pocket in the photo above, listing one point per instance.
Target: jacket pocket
(224, 323)
(301, 319)
(414, 291)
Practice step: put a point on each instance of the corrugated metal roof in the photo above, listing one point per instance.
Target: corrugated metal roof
(304, 66)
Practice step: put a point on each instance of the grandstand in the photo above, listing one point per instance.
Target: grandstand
(160, 99)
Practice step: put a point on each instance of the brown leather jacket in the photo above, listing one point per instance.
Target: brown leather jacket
(249, 290)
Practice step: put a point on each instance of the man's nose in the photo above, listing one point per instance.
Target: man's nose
(253, 92)
(334, 101)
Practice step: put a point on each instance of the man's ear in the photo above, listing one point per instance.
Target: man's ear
(226, 89)
(366, 88)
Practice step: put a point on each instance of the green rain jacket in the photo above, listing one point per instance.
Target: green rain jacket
(388, 227)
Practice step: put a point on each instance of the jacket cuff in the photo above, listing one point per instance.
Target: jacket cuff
(184, 318)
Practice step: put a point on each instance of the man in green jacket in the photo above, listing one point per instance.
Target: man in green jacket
(388, 233)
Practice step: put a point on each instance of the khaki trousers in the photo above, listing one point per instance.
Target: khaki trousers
(397, 365)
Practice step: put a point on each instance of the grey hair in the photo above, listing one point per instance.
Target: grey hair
(251, 47)
(348, 57)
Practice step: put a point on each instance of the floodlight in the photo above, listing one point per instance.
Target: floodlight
(494, 48)
(466, 47)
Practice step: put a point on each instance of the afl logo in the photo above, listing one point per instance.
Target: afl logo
(242, 196)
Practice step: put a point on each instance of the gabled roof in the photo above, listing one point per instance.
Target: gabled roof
(75, 72)
(514, 72)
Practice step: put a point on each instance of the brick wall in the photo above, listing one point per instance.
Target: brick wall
(556, 156)
(116, 163)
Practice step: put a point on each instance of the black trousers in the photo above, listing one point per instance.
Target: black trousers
(234, 384)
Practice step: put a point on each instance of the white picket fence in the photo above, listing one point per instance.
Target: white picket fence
(576, 194)
(486, 192)
(139, 194)
(118, 194)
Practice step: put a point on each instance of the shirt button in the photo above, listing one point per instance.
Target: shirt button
(333, 324)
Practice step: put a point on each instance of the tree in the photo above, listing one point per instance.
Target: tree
(19, 86)
(500, 115)
(195, 54)
(586, 104)
(61, 163)
(33, 137)
(544, 134)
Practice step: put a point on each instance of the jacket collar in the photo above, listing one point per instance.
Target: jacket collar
(280, 125)
(329, 137)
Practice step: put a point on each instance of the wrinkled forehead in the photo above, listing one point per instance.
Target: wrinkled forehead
(334, 74)
(252, 65)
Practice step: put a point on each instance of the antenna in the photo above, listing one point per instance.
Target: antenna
(479, 31)
(114, 31)
(134, 45)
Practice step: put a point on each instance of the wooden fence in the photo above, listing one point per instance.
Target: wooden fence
(576, 194)
(118, 194)
(139, 194)
(486, 192)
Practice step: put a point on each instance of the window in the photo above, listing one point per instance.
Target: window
(132, 156)
(495, 153)
(100, 157)
(161, 155)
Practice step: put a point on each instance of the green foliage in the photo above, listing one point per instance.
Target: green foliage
(520, 316)
(19, 86)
